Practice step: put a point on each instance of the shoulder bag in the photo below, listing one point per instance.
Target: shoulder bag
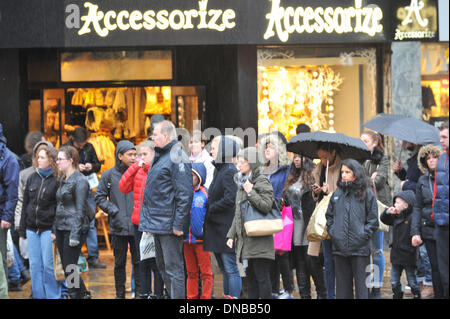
(259, 224)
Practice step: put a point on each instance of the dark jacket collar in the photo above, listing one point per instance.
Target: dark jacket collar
(166, 148)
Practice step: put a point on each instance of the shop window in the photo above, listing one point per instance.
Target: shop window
(435, 76)
(116, 66)
(329, 89)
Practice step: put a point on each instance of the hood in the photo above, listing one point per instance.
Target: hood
(280, 146)
(49, 144)
(200, 170)
(253, 156)
(2, 137)
(228, 149)
(408, 196)
(122, 147)
(422, 157)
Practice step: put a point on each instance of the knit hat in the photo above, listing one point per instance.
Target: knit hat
(408, 196)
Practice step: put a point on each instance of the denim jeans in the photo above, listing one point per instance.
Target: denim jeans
(92, 240)
(232, 281)
(424, 273)
(16, 268)
(396, 272)
(43, 282)
(3, 281)
(330, 279)
(377, 254)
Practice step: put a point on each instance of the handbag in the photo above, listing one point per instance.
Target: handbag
(317, 226)
(57, 264)
(82, 264)
(147, 246)
(259, 224)
(381, 208)
(283, 240)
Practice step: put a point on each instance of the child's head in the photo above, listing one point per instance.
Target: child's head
(404, 200)
(198, 174)
(195, 179)
(400, 204)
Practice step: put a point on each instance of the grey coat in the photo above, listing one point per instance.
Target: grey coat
(380, 164)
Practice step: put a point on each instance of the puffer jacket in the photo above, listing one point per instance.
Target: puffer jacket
(111, 200)
(133, 180)
(440, 200)
(402, 252)
(71, 209)
(351, 223)
(168, 192)
(261, 197)
(422, 223)
(379, 163)
(412, 174)
(39, 204)
(198, 208)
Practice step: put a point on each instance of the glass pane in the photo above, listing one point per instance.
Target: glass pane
(116, 66)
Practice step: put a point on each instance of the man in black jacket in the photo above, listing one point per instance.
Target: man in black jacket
(166, 206)
(88, 164)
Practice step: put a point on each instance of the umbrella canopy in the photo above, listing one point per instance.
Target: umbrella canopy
(404, 128)
(307, 144)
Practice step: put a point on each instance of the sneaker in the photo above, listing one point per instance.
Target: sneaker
(427, 292)
(229, 297)
(275, 296)
(15, 285)
(25, 276)
(96, 264)
(407, 291)
(286, 295)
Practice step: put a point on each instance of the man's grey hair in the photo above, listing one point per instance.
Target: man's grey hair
(168, 128)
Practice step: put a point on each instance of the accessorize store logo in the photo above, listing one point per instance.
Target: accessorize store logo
(413, 25)
(105, 22)
(357, 19)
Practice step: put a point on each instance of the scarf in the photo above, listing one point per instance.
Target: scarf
(44, 173)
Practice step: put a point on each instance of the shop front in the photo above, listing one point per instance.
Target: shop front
(262, 64)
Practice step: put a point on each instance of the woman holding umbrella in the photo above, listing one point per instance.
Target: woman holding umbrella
(352, 218)
(376, 168)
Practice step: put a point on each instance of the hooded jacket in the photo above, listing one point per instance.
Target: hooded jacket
(9, 180)
(133, 180)
(221, 199)
(351, 223)
(261, 197)
(440, 201)
(402, 252)
(168, 192)
(198, 208)
(206, 159)
(111, 200)
(422, 223)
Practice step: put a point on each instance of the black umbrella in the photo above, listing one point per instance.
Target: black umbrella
(404, 128)
(307, 144)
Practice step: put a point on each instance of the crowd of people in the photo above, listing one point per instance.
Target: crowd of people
(189, 203)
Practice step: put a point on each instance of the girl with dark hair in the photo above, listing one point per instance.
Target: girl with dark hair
(377, 169)
(297, 194)
(352, 218)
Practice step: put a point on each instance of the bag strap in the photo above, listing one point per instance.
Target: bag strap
(375, 189)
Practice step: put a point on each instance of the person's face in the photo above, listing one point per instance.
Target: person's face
(324, 156)
(43, 160)
(371, 144)
(79, 144)
(347, 174)
(63, 162)
(243, 166)
(214, 149)
(432, 161)
(147, 154)
(128, 158)
(400, 204)
(297, 161)
(410, 146)
(195, 180)
(160, 139)
(444, 138)
(195, 146)
(270, 152)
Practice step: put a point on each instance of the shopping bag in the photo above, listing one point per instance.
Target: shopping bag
(57, 264)
(82, 264)
(23, 246)
(9, 249)
(92, 180)
(147, 246)
(317, 226)
(283, 240)
(381, 226)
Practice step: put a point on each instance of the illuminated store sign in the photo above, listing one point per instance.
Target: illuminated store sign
(417, 20)
(357, 19)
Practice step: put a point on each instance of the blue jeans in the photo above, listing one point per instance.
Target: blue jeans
(232, 281)
(396, 272)
(43, 282)
(14, 272)
(330, 279)
(377, 259)
(423, 266)
(92, 241)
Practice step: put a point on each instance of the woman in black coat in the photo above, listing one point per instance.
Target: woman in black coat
(220, 213)
(352, 218)
(422, 225)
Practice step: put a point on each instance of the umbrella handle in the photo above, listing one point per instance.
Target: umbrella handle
(326, 173)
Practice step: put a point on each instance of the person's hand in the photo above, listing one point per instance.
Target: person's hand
(81, 167)
(230, 242)
(316, 189)
(325, 188)
(178, 232)
(141, 163)
(374, 175)
(5, 224)
(88, 166)
(398, 166)
(248, 187)
(53, 237)
(73, 242)
(403, 183)
(392, 211)
(416, 240)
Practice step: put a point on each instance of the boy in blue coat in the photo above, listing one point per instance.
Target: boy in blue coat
(194, 254)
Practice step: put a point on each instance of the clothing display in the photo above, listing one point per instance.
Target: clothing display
(104, 147)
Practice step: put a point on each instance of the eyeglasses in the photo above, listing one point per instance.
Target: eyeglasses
(61, 159)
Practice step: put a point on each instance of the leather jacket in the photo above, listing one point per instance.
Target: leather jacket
(71, 209)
